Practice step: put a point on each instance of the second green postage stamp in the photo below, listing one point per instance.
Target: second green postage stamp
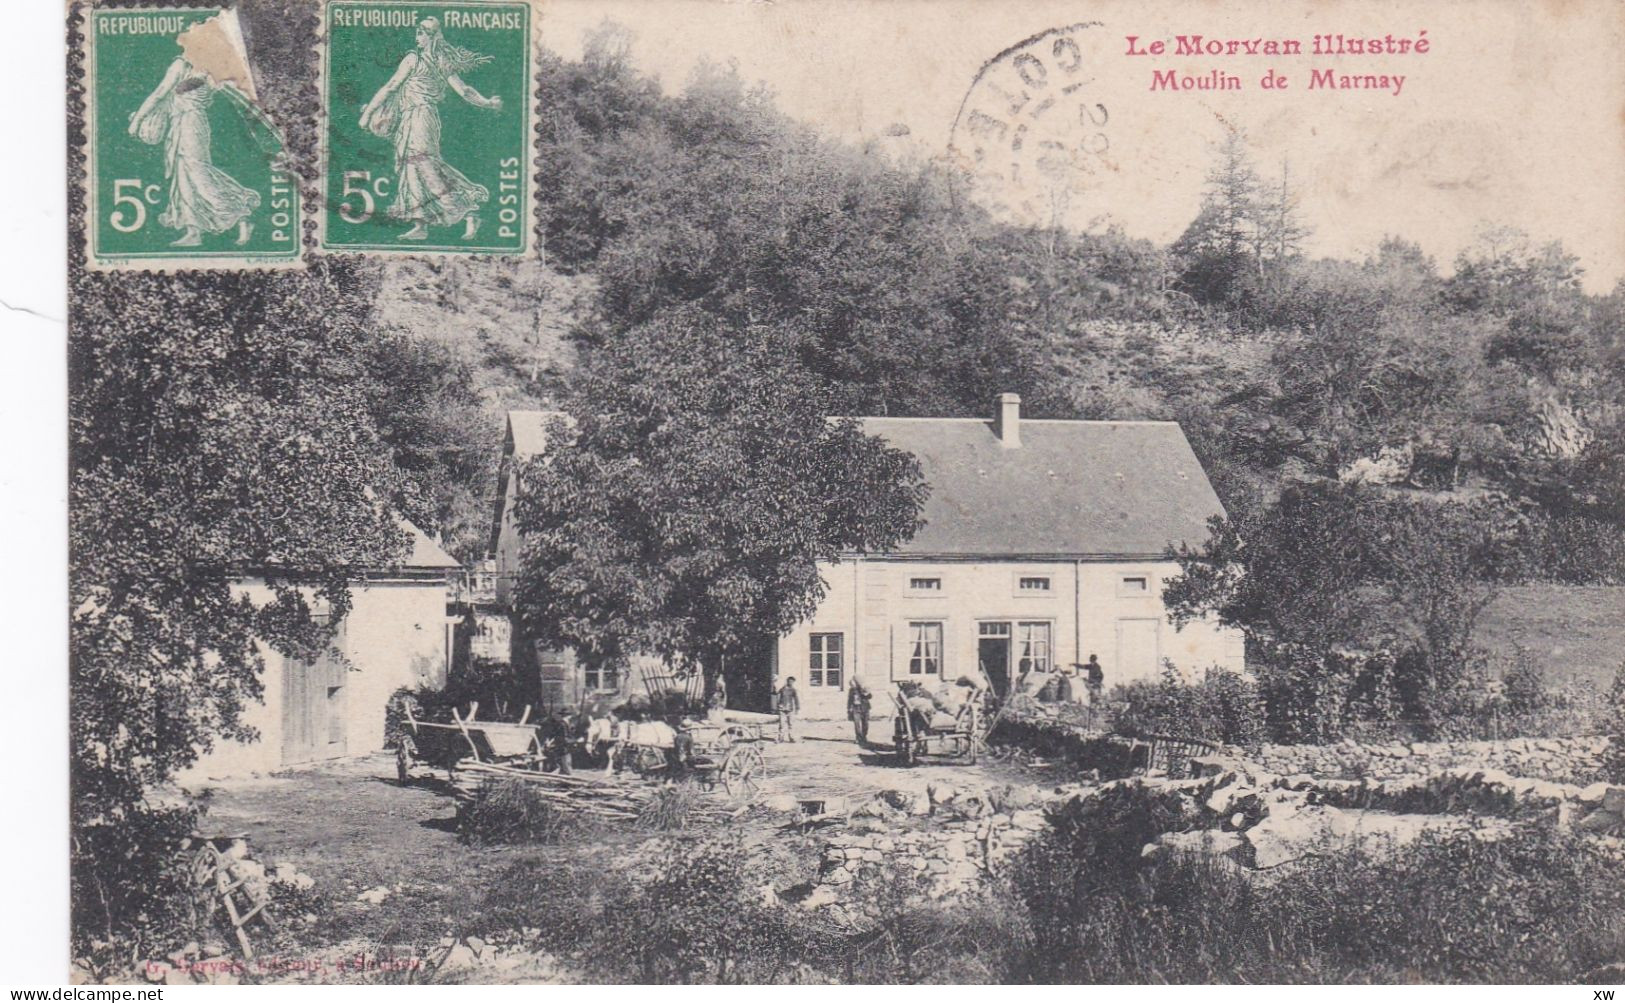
(427, 139)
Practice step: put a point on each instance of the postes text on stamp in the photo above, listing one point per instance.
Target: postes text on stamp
(427, 134)
(184, 168)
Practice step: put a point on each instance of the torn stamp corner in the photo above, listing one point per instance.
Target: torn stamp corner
(183, 167)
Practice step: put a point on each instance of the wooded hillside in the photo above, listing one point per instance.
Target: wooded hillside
(1497, 386)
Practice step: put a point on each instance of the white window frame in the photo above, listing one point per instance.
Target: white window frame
(1046, 592)
(601, 672)
(1021, 641)
(926, 656)
(915, 589)
(823, 653)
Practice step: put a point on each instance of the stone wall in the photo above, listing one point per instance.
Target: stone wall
(941, 845)
(1567, 760)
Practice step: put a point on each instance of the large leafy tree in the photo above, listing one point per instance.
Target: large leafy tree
(685, 511)
(216, 429)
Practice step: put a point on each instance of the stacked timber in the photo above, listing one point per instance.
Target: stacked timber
(601, 796)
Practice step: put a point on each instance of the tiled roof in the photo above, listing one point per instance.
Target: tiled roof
(1072, 488)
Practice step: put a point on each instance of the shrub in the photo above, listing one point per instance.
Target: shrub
(703, 917)
(1056, 740)
(914, 938)
(670, 808)
(512, 811)
(578, 907)
(1534, 906)
(1614, 717)
(129, 884)
(1222, 707)
(1310, 695)
(1523, 685)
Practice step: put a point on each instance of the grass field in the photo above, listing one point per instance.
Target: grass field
(1574, 632)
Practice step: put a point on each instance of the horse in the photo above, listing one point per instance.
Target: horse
(615, 737)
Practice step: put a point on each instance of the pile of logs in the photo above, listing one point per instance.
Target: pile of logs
(602, 796)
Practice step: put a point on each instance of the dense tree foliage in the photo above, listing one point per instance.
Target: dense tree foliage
(213, 432)
(701, 485)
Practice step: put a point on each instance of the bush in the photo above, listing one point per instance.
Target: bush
(512, 811)
(703, 918)
(129, 885)
(916, 939)
(670, 808)
(1534, 906)
(1223, 707)
(1058, 741)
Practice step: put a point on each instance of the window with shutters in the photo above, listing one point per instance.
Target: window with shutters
(925, 648)
(1033, 646)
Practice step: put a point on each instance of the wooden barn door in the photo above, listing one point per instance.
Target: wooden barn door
(314, 697)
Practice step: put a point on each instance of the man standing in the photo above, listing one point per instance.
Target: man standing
(857, 708)
(1095, 679)
(787, 702)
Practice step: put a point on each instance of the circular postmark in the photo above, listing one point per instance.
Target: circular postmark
(1035, 129)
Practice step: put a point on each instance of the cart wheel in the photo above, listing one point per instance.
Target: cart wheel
(743, 772)
(728, 737)
(206, 872)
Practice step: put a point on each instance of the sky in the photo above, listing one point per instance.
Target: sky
(1514, 117)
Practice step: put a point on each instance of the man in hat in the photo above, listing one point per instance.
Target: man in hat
(787, 702)
(857, 709)
(1094, 677)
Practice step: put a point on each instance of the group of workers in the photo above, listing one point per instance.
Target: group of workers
(1055, 688)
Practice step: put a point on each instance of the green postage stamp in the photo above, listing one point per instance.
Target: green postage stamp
(184, 169)
(426, 145)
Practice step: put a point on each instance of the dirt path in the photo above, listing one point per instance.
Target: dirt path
(826, 763)
(351, 827)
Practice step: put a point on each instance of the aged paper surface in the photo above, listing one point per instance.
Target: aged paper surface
(840, 491)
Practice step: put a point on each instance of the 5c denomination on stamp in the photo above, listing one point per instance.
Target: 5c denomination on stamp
(184, 168)
(427, 136)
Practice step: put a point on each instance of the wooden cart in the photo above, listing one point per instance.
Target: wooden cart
(728, 754)
(446, 745)
(917, 733)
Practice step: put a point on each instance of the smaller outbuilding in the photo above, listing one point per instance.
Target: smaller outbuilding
(397, 634)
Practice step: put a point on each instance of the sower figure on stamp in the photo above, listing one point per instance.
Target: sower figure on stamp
(787, 702)
(202, 197)
(428, 191)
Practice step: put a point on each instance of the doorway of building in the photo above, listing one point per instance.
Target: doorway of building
(993, 654)
(314, 698)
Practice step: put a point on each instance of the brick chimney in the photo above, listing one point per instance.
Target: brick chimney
(1007, 420)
